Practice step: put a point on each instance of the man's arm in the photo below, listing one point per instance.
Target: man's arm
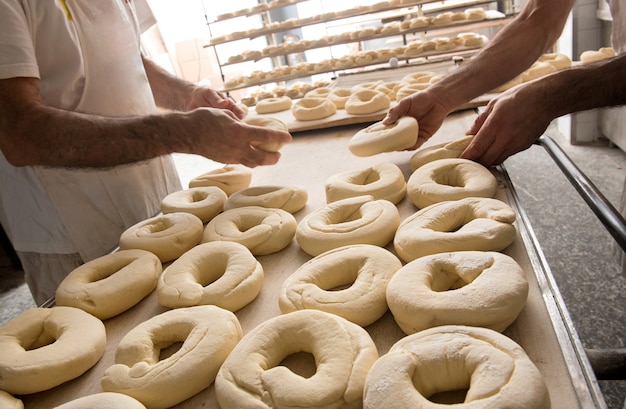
(32, 133)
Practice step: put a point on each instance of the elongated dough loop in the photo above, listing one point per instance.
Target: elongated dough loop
(288, 198)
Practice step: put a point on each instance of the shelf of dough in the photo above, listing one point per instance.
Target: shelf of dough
(542, 328)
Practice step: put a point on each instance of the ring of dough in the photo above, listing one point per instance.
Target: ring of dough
(262, 230)
(381, 181)
(168, 236)
(471, 224)
(356, 220)
(229, 178)
(45, 347)
(321, 92)
(205, 202)
(480, 289)
(366, 101)
(273, 104)
(103, 400)
(450, 179)
(362, 272)
(421, 77)
(410, 89)
(494, 371)
(444, 150)
(95, 286)
(208, 334)
(268, 122)
(218, 273)
(379, 138)
(252, 377)
(311, 109)
(288, 198)
(339, 97)
(8, 401)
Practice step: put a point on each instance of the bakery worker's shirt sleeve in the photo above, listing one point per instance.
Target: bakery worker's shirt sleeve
(145, 17)
(17, 55)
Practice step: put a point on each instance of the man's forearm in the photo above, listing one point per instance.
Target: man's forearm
(169, 91)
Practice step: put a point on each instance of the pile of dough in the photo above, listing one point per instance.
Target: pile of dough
(379, 138)
(262, 230)
(45, 347)
(208, 334)
(492, 368)
(450, 179)
(444, 150)
(97, 286)
(381, 181)
(366, 101)
(311, 109)
(481, 289)
(103, 400)
(168, 236)
(471, 224)
(205, 202)
(229, 178)
(362, 272)
(219, 273)
(356, 220)
(288, 198)
(273, 104)
(252, 377)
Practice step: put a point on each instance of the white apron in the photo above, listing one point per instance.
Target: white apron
(618, 34)
(96, 206)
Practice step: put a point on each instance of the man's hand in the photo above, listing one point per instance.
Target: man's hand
(203, 96)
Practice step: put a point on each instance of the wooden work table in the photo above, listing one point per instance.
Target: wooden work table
(543, 328)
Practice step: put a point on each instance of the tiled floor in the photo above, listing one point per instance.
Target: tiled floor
(577, 247)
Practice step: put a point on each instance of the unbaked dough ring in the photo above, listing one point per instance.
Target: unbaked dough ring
(95, 286)
(321, 92)
(444, 150)
(560, 61)
(273, 104)
(366, 101)
(288, 198)
(103, 400)
(339, 97)
(450, 179)
(378, 138)
(311, 109)
(252, 377)
(45, 347)
(229, 178)
(356, 220)
(262, 230)
(208, 334)
(168, 236)
(471, 224)
(492, 368)
(364, 268)
(205, 202)
(268, 122)
(481, 289)
(381, 181)
(220, 273)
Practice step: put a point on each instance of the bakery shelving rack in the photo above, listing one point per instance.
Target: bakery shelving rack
(389, 12)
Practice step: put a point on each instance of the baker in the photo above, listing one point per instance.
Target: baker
(84, 154)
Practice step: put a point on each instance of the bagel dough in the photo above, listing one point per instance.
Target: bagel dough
(560, 61)
(444, 150)
(470, 224)
(494, 371)
(450, 179)
(262, 230)
(356, 220)
(339, 97)
(111, 284)
(268, 122)
(252, 377)
(45, 347)
(208, 334)
(481, 289)
(273, 104)
(218, 273)
(229, 178)
(379, 138)
(381, 181)
(168, 236)
(366, 101)
(205, 202)
(103, 400)
(8, 401)
(311, 109)
(288, 198)
(365, 270)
